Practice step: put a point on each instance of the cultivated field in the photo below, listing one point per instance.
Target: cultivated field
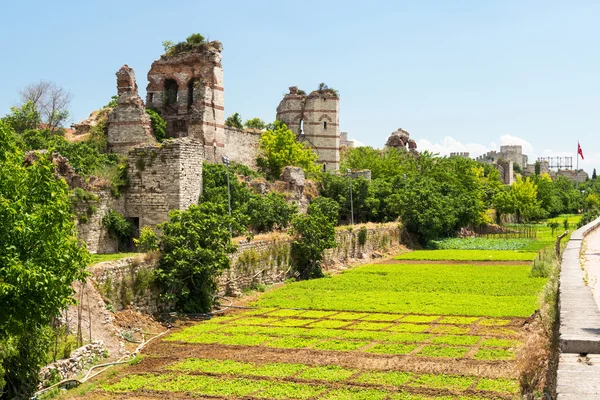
(446, 329)
(422, 330)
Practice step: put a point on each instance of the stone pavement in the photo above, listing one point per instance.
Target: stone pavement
(579, 365)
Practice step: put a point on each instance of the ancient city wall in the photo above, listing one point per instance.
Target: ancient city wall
(162, 178)
(90, 228)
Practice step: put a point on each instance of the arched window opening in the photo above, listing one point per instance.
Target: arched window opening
(170, 92)
(324, 124)
(302, 127)
(190, 93)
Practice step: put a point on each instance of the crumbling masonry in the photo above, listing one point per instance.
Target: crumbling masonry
(315, 120)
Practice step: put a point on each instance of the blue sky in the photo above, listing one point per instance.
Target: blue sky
(458, 75)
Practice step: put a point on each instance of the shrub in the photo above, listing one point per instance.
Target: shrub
(118, 227)
(270, 212)
(159, 125)
(194, 244)
(279, 148)
(313, 233)
(255, 123)
(362, 236)
(148, 240)
(234, 121)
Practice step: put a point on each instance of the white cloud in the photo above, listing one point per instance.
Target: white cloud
(507, 140)
(451, 145)
(357, 143)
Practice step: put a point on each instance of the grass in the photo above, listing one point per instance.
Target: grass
(98, 258)
(468, 255)
(465, 290)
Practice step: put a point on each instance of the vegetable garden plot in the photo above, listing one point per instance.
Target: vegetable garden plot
(462, 290)
(469, 255)
(408, 332)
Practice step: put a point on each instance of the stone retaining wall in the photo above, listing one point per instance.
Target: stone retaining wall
(70, 367)
(127, 282)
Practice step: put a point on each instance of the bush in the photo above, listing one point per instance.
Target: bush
(148, 240)
(118, 227)
(362, 236)
(194, 244)
(159, 125)
(270, 212)
(234, 121)
(279, 148)
(313, 233)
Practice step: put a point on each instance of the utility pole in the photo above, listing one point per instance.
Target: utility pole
(225, 160)
(351, 202)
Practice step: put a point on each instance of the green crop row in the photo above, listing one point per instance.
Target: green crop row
(468, 255)
(480, 243)
(440, 349)
(465, 290)
(402, 333)
(200, 385)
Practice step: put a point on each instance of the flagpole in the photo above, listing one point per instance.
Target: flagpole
(577, 167)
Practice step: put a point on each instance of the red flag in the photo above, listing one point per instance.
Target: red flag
(579, 151)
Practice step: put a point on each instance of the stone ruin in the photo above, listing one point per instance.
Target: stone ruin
(400, 139)
(314, 118)
(129, 124)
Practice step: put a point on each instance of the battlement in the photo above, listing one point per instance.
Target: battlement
(464, 154)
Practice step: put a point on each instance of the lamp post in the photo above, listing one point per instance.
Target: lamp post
(351, 202)
(225, 160)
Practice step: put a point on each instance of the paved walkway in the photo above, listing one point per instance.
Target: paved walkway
(579, 299)
(591, 249)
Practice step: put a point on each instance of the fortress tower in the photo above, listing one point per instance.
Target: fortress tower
(186, 89)
(315, 120)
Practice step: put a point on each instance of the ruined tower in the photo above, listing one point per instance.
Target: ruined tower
(186, 89)
(315, 120)
(128, 125)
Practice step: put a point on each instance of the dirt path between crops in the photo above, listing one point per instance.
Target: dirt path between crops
(456, 262)
(591, 249)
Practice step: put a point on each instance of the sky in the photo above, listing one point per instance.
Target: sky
(457, 75)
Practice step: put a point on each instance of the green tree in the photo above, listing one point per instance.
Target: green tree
(313, 233)
(234, 121)
(521, 199)
(40, 257)
(255, 123)
(553, 225)
(279, 148)
(270, 212)
(23, 118)
(537, 168)
(195, 244)
(594, 174)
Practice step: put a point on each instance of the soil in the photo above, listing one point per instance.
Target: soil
(98, 323)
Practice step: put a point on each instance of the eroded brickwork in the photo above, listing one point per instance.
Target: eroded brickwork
(315, 120)
(128, 125)
(187, 90)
